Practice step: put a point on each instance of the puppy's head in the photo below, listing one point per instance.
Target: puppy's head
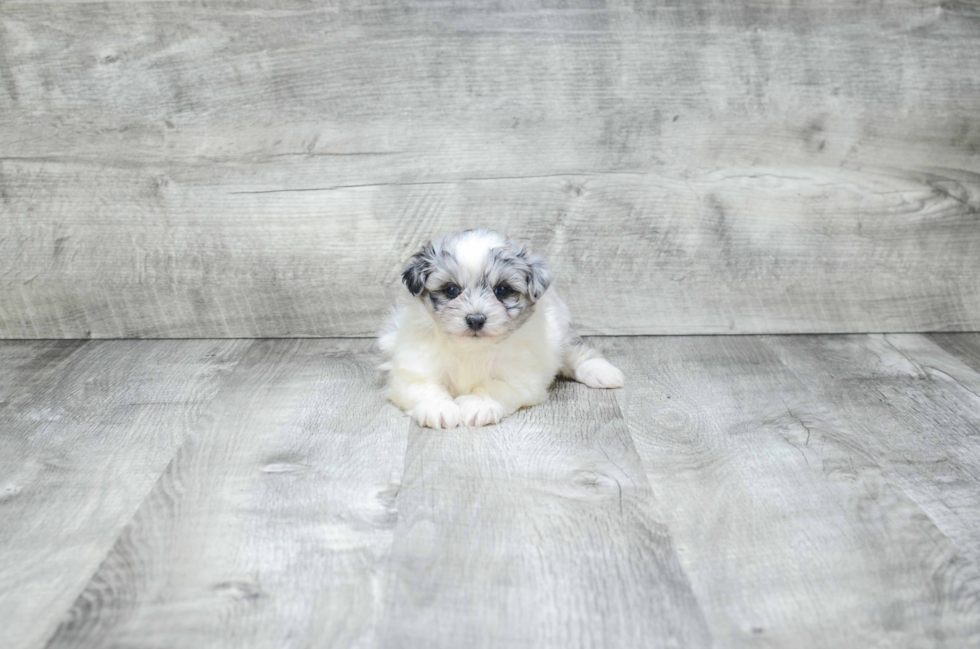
(477, 283)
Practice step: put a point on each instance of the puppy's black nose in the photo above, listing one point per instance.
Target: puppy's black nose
(475, 321)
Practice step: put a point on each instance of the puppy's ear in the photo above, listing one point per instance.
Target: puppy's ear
(418, 269)
(538, 276)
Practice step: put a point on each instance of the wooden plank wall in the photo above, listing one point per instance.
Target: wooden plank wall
(262, 168)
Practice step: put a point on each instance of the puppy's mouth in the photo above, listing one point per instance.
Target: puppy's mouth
(480, 334)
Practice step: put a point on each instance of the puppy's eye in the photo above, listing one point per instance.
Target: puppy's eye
(502, 291)
(451, 291)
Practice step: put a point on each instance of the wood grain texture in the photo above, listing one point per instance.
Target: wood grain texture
(85, 430)
(916, 408)
(539, 532)
(782, 502)
(271, 526)
(262, 168)
(803, 491)
(965, 347)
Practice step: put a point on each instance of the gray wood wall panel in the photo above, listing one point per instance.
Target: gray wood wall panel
(261, 168)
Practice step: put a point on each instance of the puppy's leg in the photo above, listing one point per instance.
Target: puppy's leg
(427, 403)
(586, 365)
(493, 400)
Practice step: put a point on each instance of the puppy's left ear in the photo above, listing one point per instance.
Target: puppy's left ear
(538, 275)
(418, 269)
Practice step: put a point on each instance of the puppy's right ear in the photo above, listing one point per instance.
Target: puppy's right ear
(418, 269)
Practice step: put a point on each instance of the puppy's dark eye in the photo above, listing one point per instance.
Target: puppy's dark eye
(502, 291)
(451, 291)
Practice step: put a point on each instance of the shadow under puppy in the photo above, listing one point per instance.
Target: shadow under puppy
(481, 335)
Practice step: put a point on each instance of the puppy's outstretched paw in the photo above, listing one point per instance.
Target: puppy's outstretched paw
(599, 373)
(479, 411)
(437, 414)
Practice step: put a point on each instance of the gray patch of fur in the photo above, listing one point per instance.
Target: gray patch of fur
(436, 266)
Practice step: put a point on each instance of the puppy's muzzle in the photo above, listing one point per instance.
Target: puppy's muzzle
(475, 321)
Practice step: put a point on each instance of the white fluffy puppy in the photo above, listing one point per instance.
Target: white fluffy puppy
(481, 336)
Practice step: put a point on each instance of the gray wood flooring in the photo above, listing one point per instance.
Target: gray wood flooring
(784, 491)
(255, 168)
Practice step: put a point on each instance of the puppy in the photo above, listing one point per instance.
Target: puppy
(481, 335)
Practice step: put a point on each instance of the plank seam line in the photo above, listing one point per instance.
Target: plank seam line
(388, 572)
(441, 182)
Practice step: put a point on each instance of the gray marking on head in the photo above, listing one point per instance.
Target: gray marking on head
(418, 269)
(478, 262)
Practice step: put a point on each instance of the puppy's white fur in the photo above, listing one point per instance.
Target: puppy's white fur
(444, 374)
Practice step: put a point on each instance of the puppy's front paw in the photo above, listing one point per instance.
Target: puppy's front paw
(437, 414)
(479, 411)
(599, 373)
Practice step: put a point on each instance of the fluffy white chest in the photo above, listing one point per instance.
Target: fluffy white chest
(532, 353)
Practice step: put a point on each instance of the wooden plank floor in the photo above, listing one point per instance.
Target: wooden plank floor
(784, 491)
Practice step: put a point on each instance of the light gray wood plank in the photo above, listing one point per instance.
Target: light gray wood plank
(918, 406)
(950, 360)
(920, 421)
(964, 346)
(85, 431)
(31, 365)
(538, 532)
(262, 168)
(270, 528)
(749, 258)
(781, 503)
